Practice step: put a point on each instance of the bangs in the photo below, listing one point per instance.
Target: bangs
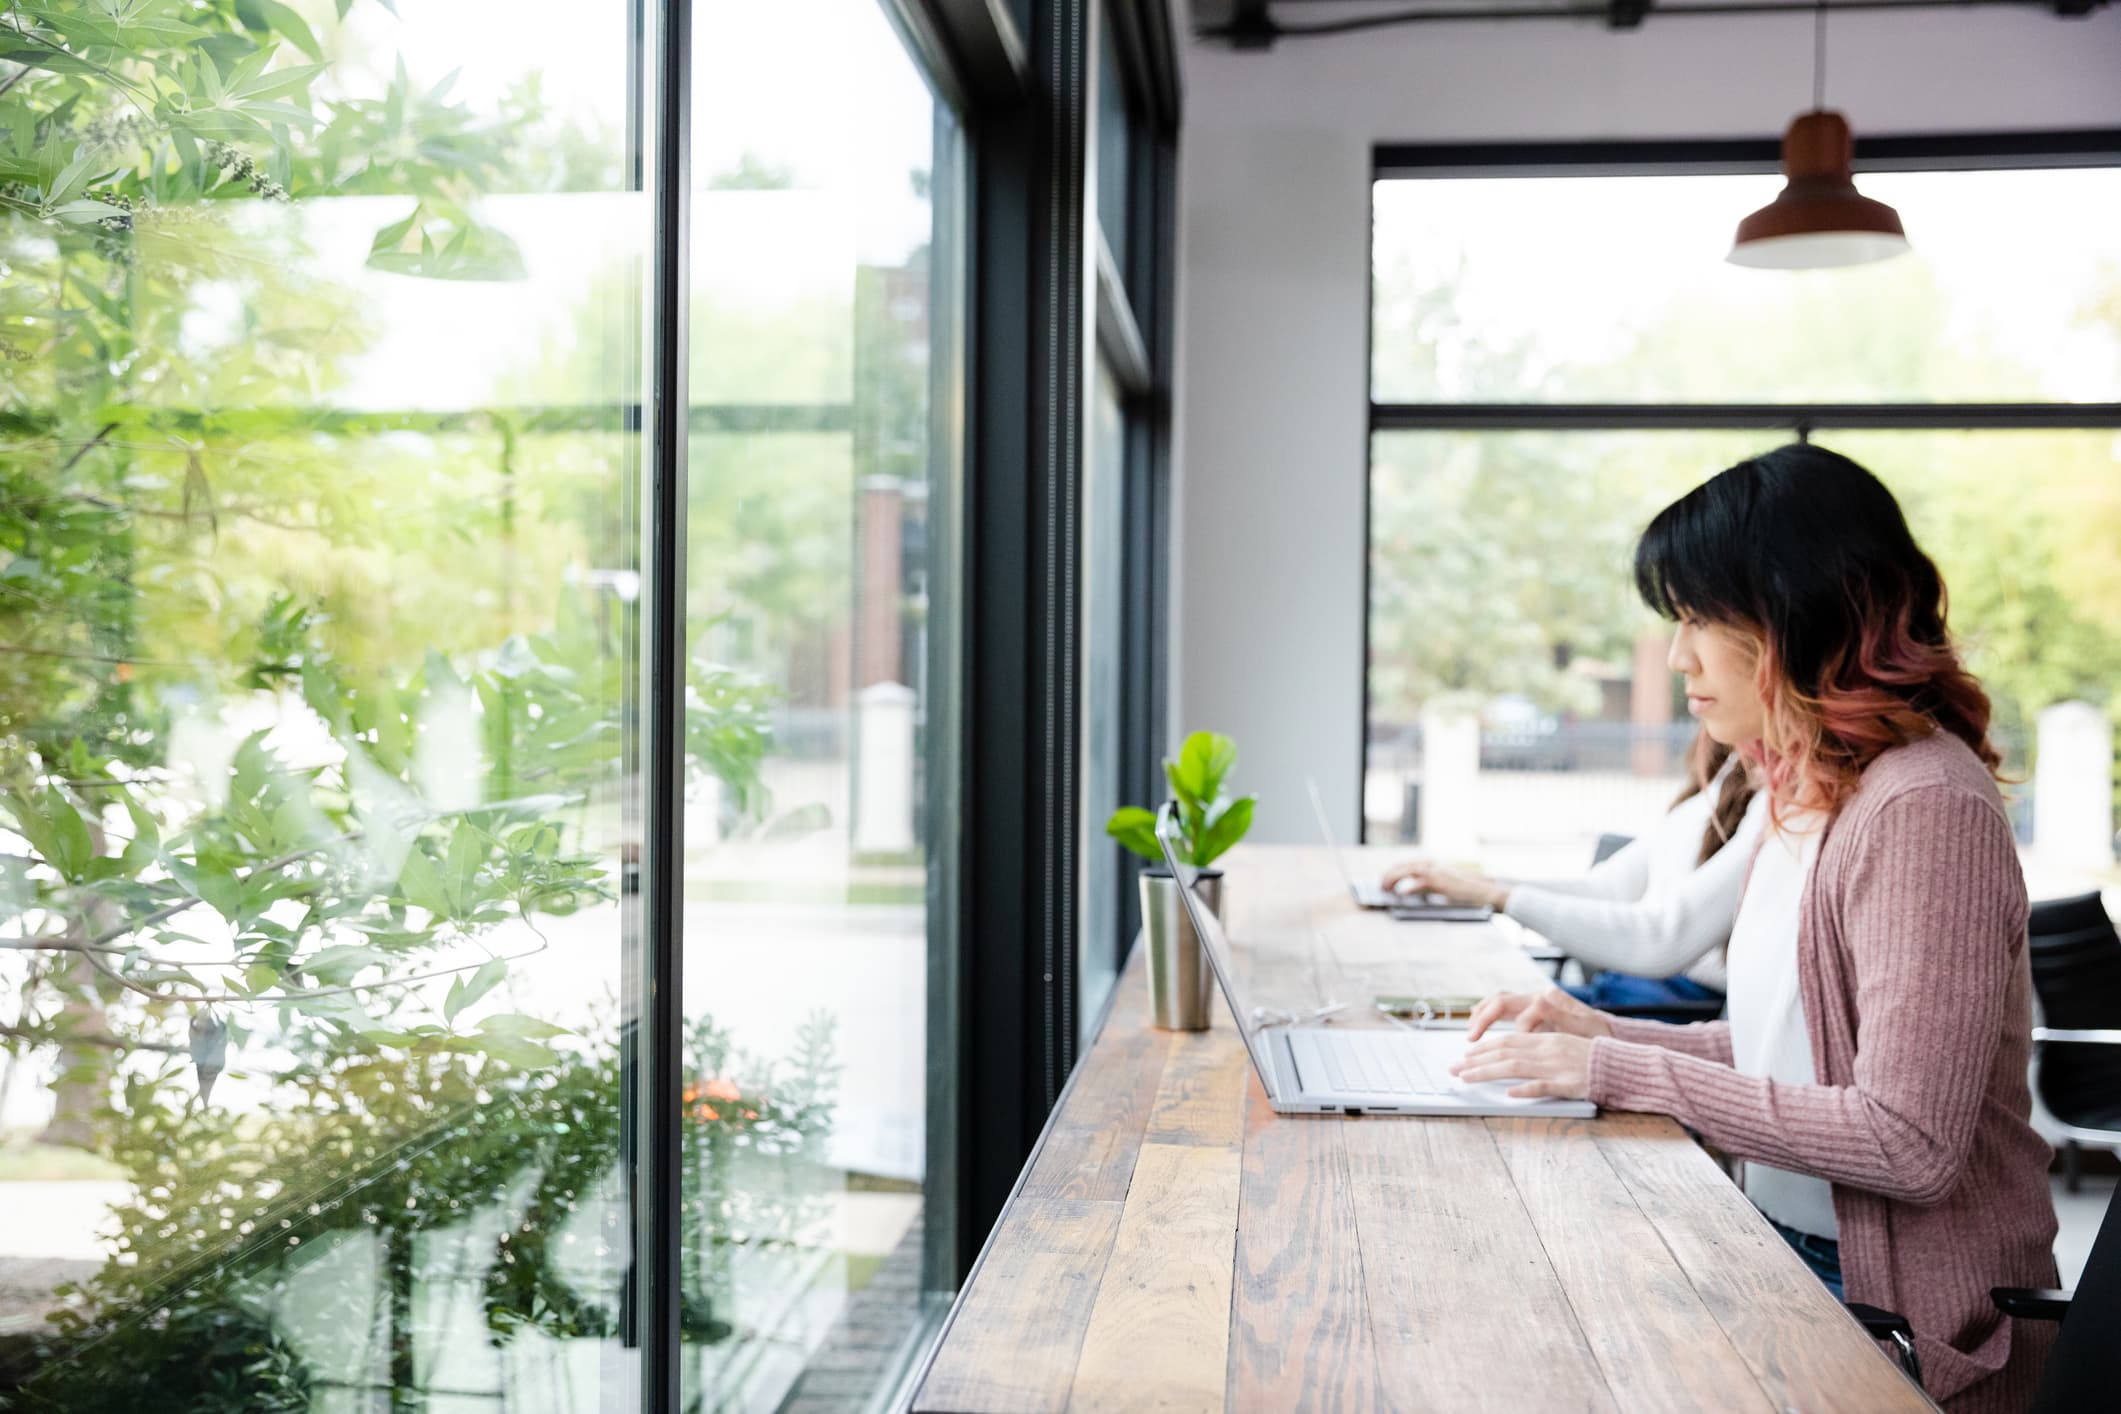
(1693, 557)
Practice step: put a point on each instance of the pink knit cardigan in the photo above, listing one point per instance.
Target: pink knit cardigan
(1911, 962)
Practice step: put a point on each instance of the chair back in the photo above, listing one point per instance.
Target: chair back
(2076, 960)
(2084, 1369)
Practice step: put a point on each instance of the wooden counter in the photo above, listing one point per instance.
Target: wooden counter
(1174, 1244)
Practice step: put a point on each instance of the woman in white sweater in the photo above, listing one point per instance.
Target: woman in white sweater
(1654, 918)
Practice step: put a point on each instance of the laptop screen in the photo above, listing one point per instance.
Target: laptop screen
(1325, 827)
(1208, 928)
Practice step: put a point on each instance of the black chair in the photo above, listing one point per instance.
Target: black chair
(1679, 1011)
(2084, 1370)
(2076, 961)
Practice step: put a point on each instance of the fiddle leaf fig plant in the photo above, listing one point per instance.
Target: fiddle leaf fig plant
(1210, 820)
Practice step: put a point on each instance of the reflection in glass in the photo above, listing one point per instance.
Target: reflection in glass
(806, 933)
(1106, 868)
(1476, 301)
(1501, 597)
(317, 582)
(1114, 146)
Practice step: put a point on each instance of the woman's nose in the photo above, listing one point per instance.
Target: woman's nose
(1681, 657)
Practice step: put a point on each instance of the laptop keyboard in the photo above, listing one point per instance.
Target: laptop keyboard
(1368, 1062)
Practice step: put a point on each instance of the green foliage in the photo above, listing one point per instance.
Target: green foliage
(402, 1145)
(1210, 820)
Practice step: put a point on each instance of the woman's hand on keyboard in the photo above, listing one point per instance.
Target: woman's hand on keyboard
(1551, 1010)
(1550, 1065)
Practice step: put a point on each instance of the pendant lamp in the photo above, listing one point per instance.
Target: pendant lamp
(1819, 219)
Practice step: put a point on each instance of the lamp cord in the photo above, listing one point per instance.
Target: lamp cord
(1819, 57)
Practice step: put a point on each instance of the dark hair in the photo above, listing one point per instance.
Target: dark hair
(1808, 554)
(1705, 757)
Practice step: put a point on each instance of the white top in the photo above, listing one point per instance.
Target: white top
(1651, 909)
(1767, 1015)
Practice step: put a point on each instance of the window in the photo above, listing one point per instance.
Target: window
(1122, 595)
(1104, 640)
(1535, 401)
(317, 464)
(486, 802)
(821, 253)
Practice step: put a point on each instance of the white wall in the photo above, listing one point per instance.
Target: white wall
(1272, 288)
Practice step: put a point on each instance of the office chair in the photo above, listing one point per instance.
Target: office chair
(1610, 844)
(2076, 963)
(2085, 1367)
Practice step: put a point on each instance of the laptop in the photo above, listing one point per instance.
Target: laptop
(1322, 1070)
(1429, 908)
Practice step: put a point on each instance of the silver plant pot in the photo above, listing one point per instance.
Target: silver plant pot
(1180, 983)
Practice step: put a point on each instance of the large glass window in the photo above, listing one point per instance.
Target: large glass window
(318, 460)
(1107, 871)
(1478, 299)
(1519, 703)
(822, 252)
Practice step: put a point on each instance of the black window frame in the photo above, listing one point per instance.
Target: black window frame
(1931, 152)
(1001, 801)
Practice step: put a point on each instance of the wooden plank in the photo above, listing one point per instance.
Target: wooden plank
(1090, 1151)
(1200, 1098)
(1160, 1332)
(1018, 1330)
(1465, 1309)
(1299, 1322)
(1802, 1345)
(1659, 1346)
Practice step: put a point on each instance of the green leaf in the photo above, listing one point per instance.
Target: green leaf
(276, 83)
(71, 848)
(72, 177)
(512, 1023)
(1181, 789)
(1224, 833)
(213, 883)
(1205, 760)
(81, 213)
(56, 61)
(516, 1051)
(1135, 828)
(420, 884)
(389, 238)
(288, 24)
(466, 990)
(467, 852)
(335, 966)
(260, 975)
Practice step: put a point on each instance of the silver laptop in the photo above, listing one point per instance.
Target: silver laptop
(1321, 1070)
(1413, 907)
(1370, 895)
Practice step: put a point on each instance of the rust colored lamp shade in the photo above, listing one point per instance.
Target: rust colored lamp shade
(1820, 219)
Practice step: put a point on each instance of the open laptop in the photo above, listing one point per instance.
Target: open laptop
(1322, 1070)
(1412, 906)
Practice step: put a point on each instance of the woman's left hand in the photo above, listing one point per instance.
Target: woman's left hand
(1552, 1064)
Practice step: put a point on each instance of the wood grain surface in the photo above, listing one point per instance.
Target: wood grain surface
(1177, 1245)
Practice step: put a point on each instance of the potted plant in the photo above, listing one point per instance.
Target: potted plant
(1210, 821)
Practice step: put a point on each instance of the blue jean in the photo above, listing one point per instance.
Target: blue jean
(1821, 1254)
(1611, 989)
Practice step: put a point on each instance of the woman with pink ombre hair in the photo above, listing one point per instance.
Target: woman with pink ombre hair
(1872, 1072)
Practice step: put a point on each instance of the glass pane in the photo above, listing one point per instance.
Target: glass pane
(317, 572)
(1106, 870)
(1114, 148)
(1519, 701)
(2011, 293)
(819, 255)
